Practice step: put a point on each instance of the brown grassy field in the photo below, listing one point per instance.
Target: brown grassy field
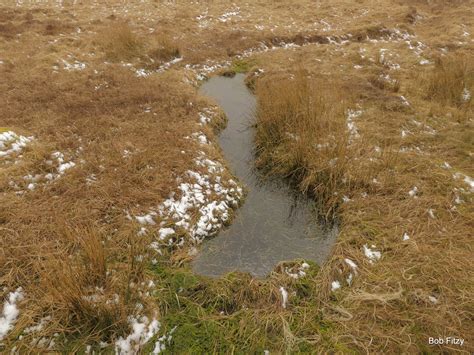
(365, 106)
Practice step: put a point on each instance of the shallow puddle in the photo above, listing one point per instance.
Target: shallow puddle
(274, 223)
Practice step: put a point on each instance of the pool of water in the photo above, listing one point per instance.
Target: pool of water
(274, 223)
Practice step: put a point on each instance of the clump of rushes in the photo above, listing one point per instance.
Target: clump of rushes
(302, 135)
(165, 50)
(119, 42)
(451, 81)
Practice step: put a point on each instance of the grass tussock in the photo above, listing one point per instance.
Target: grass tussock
(451, 81)
(119, 42)
(77, 256)
(164, 50)
(302, 134)
(392, 153)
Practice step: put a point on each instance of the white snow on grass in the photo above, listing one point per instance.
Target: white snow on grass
(431, 213)
(12, 143)
(352, 264)
(206, 195)
(166, 232)
(207, 115)
(466, 95)
(446, 165)
(468, 180)
(351, 126)
(227, 16)
(169, 64)
(199, 136)
(58, 166)
(335, 285)
(203, 118)
(297, 271)
(142, 332)
(160, 344)
(372, 255)
(202, 71)
(413, 192)
(404, 100)
(284, 297)
(76, 65)
(38, 327)
(10, 312)
(146, 219)
(143, 73)
(349, 279)
(199, 206)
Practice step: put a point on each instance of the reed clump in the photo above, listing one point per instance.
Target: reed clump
(450, 81)
(305, 134)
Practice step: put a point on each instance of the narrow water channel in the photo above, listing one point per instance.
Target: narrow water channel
(274, 224)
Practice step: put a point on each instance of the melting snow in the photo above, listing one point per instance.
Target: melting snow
(206, 193)
(404, 100)
(146, 219)
(32, 181)
(284, 297)
(335, 285)
(166, 232)
(413, 192)
(10, 312)
(351, 126)
(228, 15)
(372, 255)
(352, 264)
(38, 327)
(431, 213)
(76, 65)
(297, 272)
(466, 95)
(11, 143)
(468, 180)
(142, 331)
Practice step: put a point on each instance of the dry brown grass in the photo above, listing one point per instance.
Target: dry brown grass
(449, 79)
(120, 43)
(70, 240)
(393, 293)
(70, 243)
(165, 50)
(302, 134)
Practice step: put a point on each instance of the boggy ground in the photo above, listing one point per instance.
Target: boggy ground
(366, 106)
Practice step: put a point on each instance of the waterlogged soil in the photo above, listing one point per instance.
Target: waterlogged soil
(274, 223)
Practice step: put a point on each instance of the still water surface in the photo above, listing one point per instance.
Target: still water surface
(274, 223)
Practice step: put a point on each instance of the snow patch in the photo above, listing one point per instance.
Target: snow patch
(352, 264)
(466, 95)
(12, 143)
(351, 126)
(142, 332)
(284, 297)
(372, 255)
(413, 192)
(10, 312)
